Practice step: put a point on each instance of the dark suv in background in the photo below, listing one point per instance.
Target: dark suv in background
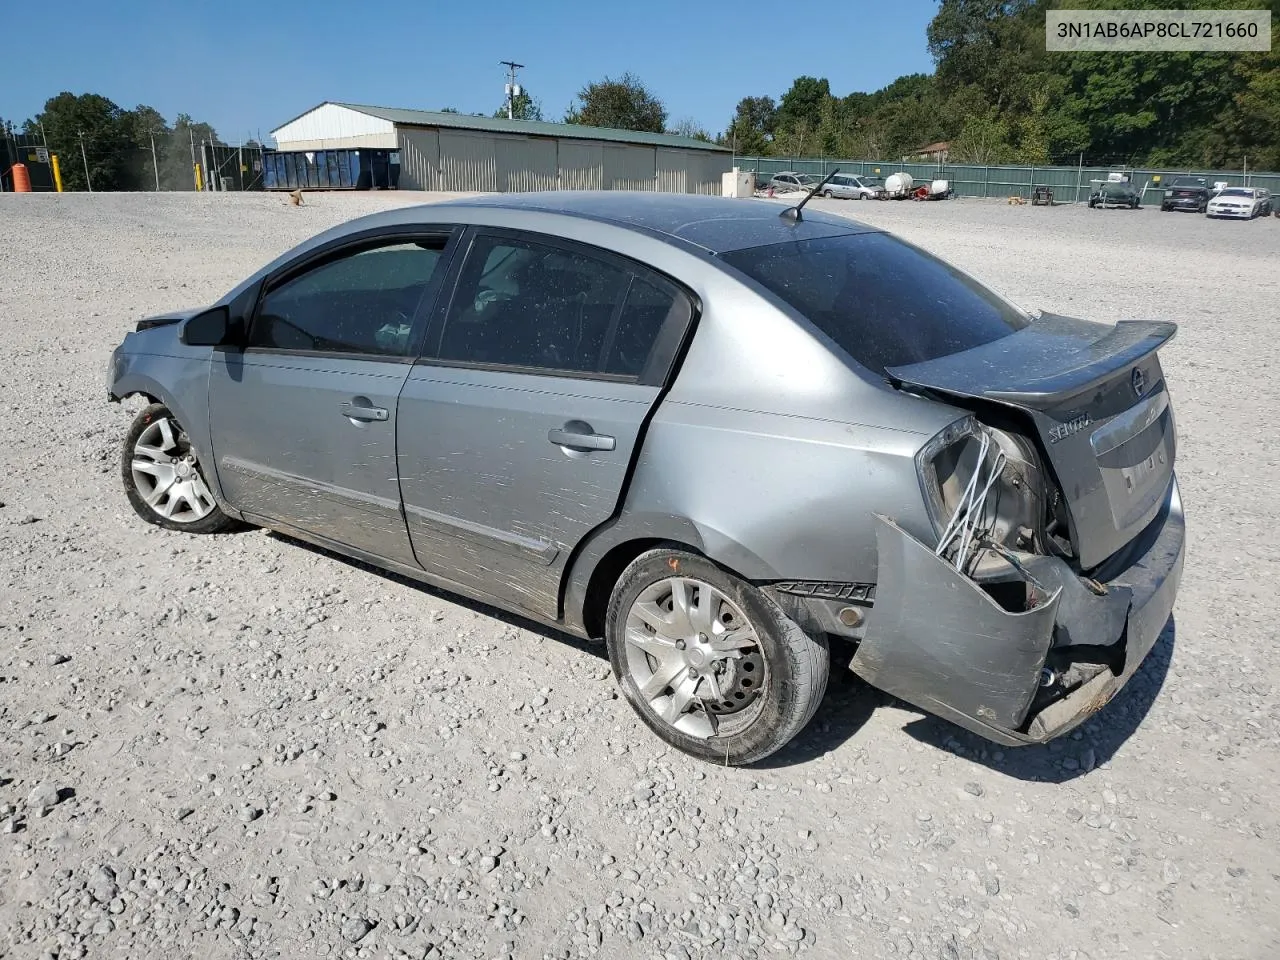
(1187, 193)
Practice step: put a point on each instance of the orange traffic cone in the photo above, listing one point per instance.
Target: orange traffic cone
(21, 178)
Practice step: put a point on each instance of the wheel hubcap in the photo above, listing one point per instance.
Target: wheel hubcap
(167, 475)
(695, 658)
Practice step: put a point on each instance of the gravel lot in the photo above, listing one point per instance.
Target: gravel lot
(241, 747)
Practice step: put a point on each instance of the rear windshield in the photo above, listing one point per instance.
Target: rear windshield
(883, 300)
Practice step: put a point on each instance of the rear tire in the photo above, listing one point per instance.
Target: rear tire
(710, 663)
(163, 479)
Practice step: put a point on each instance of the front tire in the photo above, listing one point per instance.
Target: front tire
(710, 664)
(164, 480)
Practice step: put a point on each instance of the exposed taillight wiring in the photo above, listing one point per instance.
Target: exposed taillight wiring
(963, 525)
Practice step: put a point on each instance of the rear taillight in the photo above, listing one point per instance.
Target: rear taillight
(945, 465)
(981, 485)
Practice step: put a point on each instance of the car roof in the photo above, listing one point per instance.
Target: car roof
(717, 224)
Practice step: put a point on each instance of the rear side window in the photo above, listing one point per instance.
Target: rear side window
(363, 302)
(884, 301)
(540, 307)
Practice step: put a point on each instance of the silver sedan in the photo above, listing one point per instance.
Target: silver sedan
(718, 435)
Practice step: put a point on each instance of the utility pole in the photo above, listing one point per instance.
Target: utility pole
(85, 158)
(512, 89)
(155, 164)
(44, 136)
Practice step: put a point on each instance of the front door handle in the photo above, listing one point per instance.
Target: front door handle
(360, 412)
(576, 435)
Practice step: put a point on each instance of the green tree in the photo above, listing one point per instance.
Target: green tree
(804, 102)
(984, 139)
(689, 127)
(751, 130)
(146, 127)
(523, 107)
(624, 104)
(70, 120)
(182, 152)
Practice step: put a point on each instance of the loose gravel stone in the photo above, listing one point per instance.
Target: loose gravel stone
(355, 929)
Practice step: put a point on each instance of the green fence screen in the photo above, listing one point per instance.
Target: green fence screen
(1069, 184)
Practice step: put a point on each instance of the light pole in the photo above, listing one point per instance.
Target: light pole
(83, 156)
(512, 89)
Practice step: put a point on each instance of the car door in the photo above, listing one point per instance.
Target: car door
(303, 416)
(518, 426)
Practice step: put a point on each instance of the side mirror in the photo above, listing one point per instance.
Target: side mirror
(209, 329)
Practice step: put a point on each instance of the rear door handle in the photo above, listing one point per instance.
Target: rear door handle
(359, 412)
(576, 435)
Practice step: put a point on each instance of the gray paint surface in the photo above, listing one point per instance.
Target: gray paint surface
(489, 498)
(284, 448)
(771, 452)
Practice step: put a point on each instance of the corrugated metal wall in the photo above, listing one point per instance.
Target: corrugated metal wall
(468, 161)
(439, 159)
(526, 163)
(581, 165)
(673, 170)
(628, 167)
(706, 172)
(419, 158)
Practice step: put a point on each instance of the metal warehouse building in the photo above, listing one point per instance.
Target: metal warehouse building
(452, 151)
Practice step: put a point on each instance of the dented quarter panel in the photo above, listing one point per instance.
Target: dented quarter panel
(935, 639)
(800, 492)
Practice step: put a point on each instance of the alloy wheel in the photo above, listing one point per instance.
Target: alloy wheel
(167, 474)
(695, 658)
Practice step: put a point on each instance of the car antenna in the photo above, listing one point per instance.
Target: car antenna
(793, 213)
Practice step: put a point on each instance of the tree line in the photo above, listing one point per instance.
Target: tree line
(995, 95)
(122, 149)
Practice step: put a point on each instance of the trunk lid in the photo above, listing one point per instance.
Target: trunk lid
(1097, 397)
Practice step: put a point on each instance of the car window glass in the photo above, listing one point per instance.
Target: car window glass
(528, 305)
(360, 303)
(646, 308)
(884, 301)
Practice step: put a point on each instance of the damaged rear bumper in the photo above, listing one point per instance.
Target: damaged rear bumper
(939, 641)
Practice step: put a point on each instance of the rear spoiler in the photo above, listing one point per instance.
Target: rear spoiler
(1041, 365)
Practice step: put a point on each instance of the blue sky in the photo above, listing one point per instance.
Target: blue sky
(249, 67)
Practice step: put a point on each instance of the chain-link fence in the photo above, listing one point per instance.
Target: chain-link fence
(206, 165)
(29, 151)
(1069, 184)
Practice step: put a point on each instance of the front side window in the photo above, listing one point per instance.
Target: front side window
(528, 305)
(362, 302)
(882, 300)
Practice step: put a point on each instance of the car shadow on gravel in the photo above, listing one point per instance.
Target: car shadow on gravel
(1065, 758)
(592, 647)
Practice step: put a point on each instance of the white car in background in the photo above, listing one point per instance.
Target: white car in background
(1241, 203)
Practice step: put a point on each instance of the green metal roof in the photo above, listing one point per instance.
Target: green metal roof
(537, 128)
